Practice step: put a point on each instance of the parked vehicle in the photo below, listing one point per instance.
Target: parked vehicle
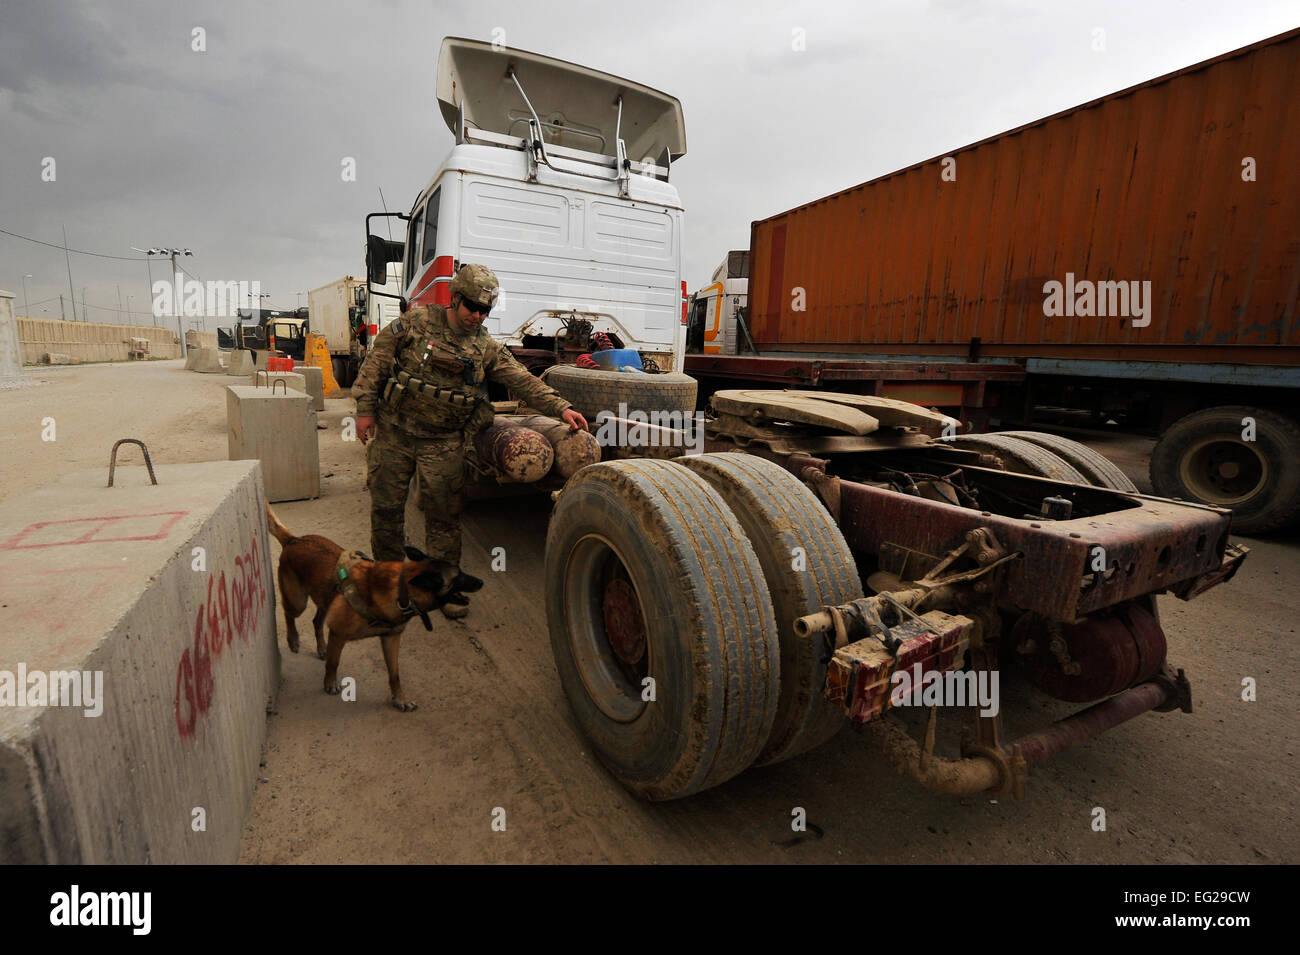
(279, 332)
(1131, 259)
(559, 182)
(712, 612)
(348, 317)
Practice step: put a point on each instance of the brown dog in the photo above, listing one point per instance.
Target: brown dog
(371, 599)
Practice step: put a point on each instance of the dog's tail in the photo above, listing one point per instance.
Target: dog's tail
(278, 530)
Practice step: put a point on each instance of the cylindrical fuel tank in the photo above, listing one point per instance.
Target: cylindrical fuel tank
(1097, 657)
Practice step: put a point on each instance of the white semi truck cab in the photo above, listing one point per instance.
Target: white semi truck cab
(559, 181)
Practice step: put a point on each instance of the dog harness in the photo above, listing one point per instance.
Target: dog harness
(348, 560)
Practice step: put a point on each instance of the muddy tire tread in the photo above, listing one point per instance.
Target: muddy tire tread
(778, 512)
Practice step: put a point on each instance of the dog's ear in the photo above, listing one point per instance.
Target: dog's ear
(466, 582)
(414, 554)
(429, 580)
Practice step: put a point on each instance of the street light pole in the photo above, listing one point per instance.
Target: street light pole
(178, 288)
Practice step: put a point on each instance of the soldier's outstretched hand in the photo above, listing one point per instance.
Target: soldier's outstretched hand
(575, 421)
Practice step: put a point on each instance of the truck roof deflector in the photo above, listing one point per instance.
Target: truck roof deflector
(479, 87)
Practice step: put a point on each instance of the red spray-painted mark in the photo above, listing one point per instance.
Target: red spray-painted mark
(66, 531)
(230, 610)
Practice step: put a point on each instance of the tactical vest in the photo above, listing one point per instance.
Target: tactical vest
(427, 401)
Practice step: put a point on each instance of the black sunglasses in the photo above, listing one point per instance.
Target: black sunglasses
(475, 307)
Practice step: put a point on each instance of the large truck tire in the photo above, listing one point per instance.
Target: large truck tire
(1096, 469)
(592, 391)
(808, 566)
(1022, 457)
(1204, 457)
(646, 577)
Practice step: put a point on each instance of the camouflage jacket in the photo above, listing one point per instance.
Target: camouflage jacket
(401, 343)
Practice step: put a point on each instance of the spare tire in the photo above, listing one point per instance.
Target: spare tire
(808, 566)
(592, 391)
(647, 579)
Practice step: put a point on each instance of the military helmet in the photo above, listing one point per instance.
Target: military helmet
(477, 284)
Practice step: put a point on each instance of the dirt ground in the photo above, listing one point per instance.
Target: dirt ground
(362, 783)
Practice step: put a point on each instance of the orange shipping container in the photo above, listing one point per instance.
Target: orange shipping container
(1187, 182)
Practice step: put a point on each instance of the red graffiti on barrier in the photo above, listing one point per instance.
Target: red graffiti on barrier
(228, 612)
(84, 530)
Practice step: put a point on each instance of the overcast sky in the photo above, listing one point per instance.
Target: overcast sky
(235, 152)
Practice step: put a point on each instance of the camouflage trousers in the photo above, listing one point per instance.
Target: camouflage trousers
(392, 458)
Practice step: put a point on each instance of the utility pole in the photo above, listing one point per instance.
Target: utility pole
(62, 316)
(85, 308)
(177, 287)
(119, 302)
(179, 310)
(68, 259)
(26, 307)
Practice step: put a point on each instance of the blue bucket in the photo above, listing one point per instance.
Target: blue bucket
(613, 359)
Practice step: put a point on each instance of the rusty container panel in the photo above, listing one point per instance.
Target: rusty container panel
(1144, 185)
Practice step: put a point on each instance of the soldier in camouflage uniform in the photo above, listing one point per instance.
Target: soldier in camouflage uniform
(425, 380)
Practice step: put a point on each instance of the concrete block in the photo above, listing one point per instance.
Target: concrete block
(266, 379)
(141, 621)
(11, 355)
(315, 384)
(240, 363)
(279, 430)
(191, 359)
(209, 362)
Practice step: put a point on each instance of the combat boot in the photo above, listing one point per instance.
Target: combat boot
(455, 611)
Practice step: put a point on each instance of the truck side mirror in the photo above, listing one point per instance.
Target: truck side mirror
(379, 252)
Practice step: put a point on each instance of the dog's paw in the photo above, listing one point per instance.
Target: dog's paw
(320, 653)
(293, 646)
(406, 706)
(333, 688)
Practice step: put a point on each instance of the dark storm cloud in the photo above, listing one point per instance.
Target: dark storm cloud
(236, 152)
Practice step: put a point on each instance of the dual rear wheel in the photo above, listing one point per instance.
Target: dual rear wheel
(672, 592)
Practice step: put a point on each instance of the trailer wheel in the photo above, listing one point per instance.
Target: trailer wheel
(661, 627)
(1205, 457)
(592, 391)
(808, 566)
(1098, 470)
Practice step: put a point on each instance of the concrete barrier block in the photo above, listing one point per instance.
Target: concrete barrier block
(266, 379)
(240, 363)
(279, 430)
(209, 362)
(315, 384)
(191, 359)
(137, 661)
